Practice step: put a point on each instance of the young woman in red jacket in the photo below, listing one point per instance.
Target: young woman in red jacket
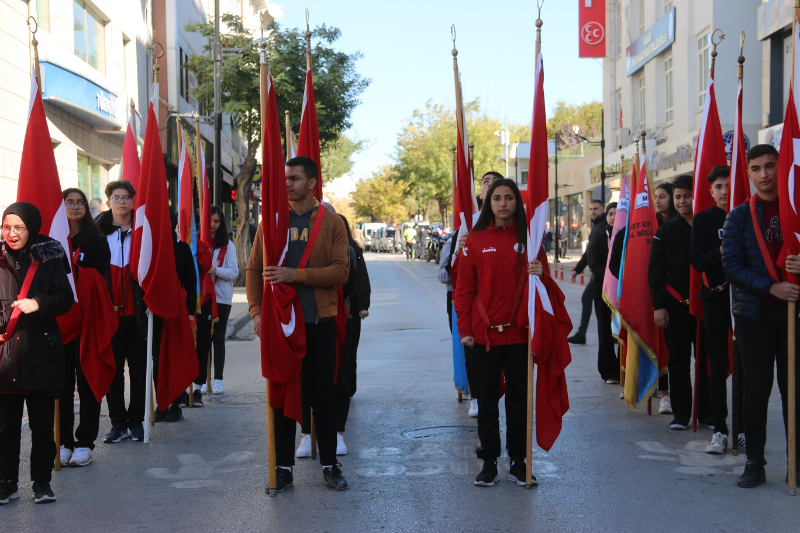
(492, 279)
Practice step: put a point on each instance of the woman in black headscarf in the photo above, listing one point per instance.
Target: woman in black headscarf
(34, 289)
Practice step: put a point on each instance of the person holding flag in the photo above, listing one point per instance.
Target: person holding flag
(668, 277)
(750, 262)
(706, 258)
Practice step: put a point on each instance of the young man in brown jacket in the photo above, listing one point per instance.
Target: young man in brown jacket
(327, 267)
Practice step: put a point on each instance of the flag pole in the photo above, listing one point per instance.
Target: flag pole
(272, 482)
(632, 348)
(622, 345)
(200, 193)
(452, 244)
(791, 324)
(182, 140)
(287, 133)
(133, 120)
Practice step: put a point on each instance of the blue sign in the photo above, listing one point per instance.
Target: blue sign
(652, 42)
(65, 87)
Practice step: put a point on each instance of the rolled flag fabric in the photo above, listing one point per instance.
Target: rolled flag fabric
(187, 229)
(308, 137)
(610, 281)
(788, 162)
(129, 165)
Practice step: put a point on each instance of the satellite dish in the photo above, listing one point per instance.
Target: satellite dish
(601, 193)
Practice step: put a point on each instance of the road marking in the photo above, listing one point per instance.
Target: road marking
(693, 459)
(195, 472)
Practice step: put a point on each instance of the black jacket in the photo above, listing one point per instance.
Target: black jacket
(184, 264)
(584, 260)
(670, 261)
(616, 251)
(33, 359)
(707, 252)
(93, 251)
(360, 298)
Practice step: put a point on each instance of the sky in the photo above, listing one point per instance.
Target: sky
(406, 47)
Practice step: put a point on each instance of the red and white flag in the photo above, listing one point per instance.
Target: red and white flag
(153, 267)
(129, 165)
(739, 189)
(308, 137)
(206, 244)
(547, 317)
(283, 340)
(466, 207)
(788, 170)
(710, 152)
(39, 185)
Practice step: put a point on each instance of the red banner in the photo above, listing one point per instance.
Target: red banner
(592, 28)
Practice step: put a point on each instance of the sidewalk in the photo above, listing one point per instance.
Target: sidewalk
(240, 324)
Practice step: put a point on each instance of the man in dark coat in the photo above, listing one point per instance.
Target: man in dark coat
(597, 256)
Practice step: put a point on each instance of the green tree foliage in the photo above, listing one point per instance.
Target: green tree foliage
(586, 116)
(381, 197)
(337, 159)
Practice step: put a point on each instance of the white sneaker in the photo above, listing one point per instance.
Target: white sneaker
(665, 407)
(742, 443)
(473, 408)
(304, 450)
(66, 455)
(718, 444)
(81, 457)
(341, 448)
(217, 387)
(204, 388)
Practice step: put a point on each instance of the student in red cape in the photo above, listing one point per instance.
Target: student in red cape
(492, 278)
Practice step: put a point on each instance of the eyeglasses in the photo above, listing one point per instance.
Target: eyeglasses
(16, 230)
(121, 199)
(80, 204)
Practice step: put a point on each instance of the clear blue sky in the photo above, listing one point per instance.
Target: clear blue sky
(407, 44)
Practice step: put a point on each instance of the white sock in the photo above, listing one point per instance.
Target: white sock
(196, 387)
(289, 468)
(328, 467)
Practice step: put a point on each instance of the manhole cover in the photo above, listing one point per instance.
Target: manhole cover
(439, 431)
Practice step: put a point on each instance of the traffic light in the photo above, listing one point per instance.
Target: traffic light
(233, 195)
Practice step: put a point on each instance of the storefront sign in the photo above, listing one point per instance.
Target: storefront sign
(651, 43)
(78, 95)
(672, 160)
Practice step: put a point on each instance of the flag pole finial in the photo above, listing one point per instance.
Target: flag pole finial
(740, 59)
(539, 23)
(714, 43)
(32, 22)
(455, 51)
(643, 135)
(308, 43)
(262, 51)
(156, 57)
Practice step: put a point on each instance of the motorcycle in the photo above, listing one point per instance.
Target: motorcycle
(435, 245)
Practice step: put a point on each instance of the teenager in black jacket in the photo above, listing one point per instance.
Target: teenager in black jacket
(31, 353)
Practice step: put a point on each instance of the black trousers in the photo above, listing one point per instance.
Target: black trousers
(607, 360)
(717, 324)
(41, 412)
(203, 341)
(129, 345)
(218, 339)
(450, 310)
(89, 425)
(587, 299)
(679, 336)
(511, 359)
(762, 344)
(317, 382)
(346, 378)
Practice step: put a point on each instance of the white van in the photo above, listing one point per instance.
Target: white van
(369, 229)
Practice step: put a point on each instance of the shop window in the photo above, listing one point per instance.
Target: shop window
(703, 64)
(89, 35)
(92, 177)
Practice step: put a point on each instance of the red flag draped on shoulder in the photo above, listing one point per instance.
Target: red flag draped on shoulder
(308, 137)
(153, 267)
(283, 341)
(466, 207)
(709, 153)
(788, 171)
(39, 185)
(130, 166)
(549, 322)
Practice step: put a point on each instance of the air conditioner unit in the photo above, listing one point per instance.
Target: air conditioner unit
(623, 137)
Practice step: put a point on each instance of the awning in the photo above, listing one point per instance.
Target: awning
(90, 117)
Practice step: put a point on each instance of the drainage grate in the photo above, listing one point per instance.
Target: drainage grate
(439, 431)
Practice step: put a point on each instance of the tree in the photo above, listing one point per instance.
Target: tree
(586, 116)
(337, 86)
(381, 197)
(337, 158)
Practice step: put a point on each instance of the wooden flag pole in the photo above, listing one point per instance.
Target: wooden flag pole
(181, 139)
(200, 192)
(461, 127)
(271, 466)
(287, 133)
(791, 428)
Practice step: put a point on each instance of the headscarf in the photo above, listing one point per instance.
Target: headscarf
(29, 214)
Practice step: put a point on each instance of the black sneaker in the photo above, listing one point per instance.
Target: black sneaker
(42, 493)
(8, 491)
(137, 431)
(517, 474)
(118, 432)
(488, 475)
(174, 414)
(334, 478)
(283, 479)
(160, 416)
(753, 475)
(707, 422)
(183, 399)
(197, 399)
(679, 424)
(577, 339)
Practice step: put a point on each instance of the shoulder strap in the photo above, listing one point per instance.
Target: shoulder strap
(313, 238)
(23, 293)
(221, 255)
(762, 245)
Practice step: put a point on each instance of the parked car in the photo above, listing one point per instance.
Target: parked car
(389, 242)
(369, 230)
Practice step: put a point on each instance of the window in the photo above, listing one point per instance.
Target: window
(618, 27)
(703, 64)
(668, 5)
(92, 177)
(89, 35)
(43, 14)
(670, 98)
(641, 17)
(523, 179)
(642, 103)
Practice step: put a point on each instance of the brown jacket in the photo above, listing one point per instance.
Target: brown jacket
(327, 267)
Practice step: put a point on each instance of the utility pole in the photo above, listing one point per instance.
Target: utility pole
(217, 108)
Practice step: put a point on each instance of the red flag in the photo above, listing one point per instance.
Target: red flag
(283, 340)
(207, 290)
(739, 189)
(186, 227)
(153, 267)
(709, 153)
(788, 192)
(466, 207)
(592, 28)
(129, 165)
(39, 185)
(547, 316)
(308, 137)
(98, 326)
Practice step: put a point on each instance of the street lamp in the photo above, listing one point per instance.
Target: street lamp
(556, 210)
(602, 145)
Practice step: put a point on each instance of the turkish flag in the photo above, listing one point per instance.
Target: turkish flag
(98, 326)
(39, 185)
(153, 267)
(788, 191)
(592, 28)
(308, 137)
(466, 207)
(129, 165)
(206, 244)
(739, 190)
(283, 338)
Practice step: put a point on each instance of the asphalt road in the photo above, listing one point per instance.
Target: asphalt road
(411, 460)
